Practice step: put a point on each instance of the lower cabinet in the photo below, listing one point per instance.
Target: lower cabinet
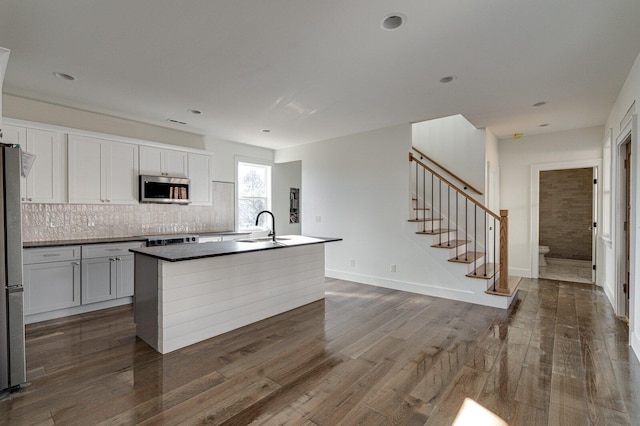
(64, 277)
(107, 278)
(50, 286)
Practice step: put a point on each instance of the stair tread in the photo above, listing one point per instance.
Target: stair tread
(428, 219)
(467, 257)
(451, 244)
(513, 283)
(479, 272)
(435, 231)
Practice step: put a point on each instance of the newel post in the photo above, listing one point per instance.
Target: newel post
(503, 282)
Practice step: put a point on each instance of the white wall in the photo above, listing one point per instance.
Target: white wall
(457, 145)
(357, 187)
(42, 112)
(492, 185)
(516, 158)
(224, 151)
(629, 94)
(285, 176)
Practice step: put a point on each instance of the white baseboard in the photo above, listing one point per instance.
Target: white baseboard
(519, 272)
(635, 344)
(479, 297)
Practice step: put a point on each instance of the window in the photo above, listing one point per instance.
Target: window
(254, 193)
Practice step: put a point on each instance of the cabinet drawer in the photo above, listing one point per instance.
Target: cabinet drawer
(50, 254)
(109, 250)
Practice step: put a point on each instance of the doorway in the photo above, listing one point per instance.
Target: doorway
(624, 219)
(536, 170)
(567, 219)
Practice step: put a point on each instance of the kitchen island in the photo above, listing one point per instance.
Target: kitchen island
(191, 292)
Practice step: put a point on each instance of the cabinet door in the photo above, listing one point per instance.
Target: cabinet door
(122, 173)
(200, 175)
(98, 279)
(87, 183)
(175, 163)
(124, 285)
(151, 160)
(51, 286)
(162, 162)
(47, 181)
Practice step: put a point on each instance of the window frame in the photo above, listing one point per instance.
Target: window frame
(268, 198)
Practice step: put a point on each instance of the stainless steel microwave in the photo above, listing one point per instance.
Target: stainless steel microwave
(165, 189)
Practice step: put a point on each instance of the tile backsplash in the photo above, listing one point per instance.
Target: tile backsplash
(47, 222)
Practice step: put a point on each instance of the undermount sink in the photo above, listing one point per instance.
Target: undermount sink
(262, 240)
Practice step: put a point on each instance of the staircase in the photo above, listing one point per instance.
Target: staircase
(474, 238)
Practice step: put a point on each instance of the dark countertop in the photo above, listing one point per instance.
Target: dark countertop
(180, 252)
(61, 243)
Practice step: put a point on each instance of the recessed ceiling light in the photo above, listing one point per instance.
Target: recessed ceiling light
(539, 104)
(195, 111)
(265, 131)
(447, 79)
(64, 76)
(171, 120)
(517, 135)
(393, 21)
(544, 125)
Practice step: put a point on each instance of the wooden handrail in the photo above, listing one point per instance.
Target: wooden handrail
(447, 170)
(443, 179)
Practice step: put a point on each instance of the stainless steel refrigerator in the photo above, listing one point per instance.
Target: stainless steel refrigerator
(12, 347)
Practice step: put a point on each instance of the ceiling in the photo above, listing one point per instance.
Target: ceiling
(313, 70)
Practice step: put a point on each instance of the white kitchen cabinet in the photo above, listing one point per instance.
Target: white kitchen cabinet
(162, 162)
(98, 279)
(102, 171)
(200, 175)
(124, 275)
(47, 181)
(51, 279)
(107, 271)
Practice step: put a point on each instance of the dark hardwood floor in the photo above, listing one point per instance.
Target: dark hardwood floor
(364, 355)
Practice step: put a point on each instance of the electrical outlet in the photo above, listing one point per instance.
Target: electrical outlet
(392, 268)
(353, 263)
(91, 221)
(217, 220)
(318, 219)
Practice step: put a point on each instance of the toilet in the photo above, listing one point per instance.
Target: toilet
(542, 250)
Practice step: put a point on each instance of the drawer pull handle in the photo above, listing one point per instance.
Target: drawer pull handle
(114, 249)
(112, 259)
(51, 255)
(75, 263)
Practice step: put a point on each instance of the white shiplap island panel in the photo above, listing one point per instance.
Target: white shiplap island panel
(180, 303)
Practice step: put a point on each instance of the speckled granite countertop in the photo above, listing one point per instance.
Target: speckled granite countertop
(180, 252)
(60, 243)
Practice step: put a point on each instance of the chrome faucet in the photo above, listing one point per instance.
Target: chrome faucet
(273, 221)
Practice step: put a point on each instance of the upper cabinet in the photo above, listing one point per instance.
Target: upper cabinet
(162, 162)
(200, 175)
(102, 171)
(47, 181)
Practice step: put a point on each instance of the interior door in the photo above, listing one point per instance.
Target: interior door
(627, 230)
(594, 229)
